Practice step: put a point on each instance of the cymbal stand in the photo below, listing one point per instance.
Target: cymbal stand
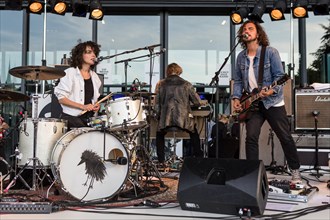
(142, 164)
(34, 159)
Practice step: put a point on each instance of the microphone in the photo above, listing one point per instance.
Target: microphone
(118, 160)
(25, 121)
(151, 203)
(98, 59)
(151, 46)
(244, 36)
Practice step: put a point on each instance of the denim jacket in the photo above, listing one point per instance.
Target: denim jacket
(273, 71)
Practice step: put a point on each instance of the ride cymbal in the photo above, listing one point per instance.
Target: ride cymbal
(11, 96)
(37, 72)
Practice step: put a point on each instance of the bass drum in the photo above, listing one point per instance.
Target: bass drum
(89, 164)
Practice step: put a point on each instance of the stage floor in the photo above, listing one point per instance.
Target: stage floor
(170, 209)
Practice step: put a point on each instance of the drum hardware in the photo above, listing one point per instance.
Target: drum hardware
(35, 73)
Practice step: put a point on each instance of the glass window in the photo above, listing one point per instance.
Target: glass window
(62, 34)
(10, 44)
(199, 44)
(124, 38)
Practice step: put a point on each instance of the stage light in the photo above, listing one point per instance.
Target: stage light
(258, 11)
(58, 6)
(35, 6)
(238, 16)
(321, 7)
(299, 9)
(277, 12)
(13, 5)
(79, 8)
(95, 10)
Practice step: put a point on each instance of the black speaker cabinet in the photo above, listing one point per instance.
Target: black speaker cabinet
(306, 102)
(223, 186)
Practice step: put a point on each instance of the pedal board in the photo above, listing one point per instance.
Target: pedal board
(25, 208)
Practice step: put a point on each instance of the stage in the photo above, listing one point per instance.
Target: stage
(164, 203)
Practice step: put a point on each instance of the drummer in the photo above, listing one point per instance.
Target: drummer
(78, 90)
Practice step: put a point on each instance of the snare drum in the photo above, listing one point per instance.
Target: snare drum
(98, 121)
(126, 114)
(71, 167)
(48, 132)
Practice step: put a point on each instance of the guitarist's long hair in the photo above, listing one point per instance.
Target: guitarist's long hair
(262, 39)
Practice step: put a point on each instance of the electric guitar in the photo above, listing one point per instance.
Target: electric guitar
(250, 100)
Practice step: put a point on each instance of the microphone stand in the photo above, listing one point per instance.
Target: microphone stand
(215, 81)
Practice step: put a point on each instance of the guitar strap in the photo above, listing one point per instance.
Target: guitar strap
(261, 67)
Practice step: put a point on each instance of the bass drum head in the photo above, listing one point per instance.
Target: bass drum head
(81, 169)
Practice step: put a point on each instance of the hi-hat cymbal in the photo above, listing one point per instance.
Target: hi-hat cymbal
(11, 96)
(37, 72)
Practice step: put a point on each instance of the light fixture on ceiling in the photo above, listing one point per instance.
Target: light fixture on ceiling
(58, 6)
(321, 7)
(13, 5)
(95, 10)
(277, 12)
(238, 16)
(79, 8)
(299, 9)
(258, 11)
(35, 6)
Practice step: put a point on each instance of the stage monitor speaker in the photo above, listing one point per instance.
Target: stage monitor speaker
(223, 186)
(307, 101)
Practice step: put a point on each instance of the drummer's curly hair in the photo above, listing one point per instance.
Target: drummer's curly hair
(77, 52)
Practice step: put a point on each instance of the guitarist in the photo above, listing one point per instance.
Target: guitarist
(270, 103)
(78, 90)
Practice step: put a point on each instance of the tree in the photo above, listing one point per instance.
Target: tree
(314, 71)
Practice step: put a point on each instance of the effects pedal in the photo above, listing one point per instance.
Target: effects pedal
(25, 208)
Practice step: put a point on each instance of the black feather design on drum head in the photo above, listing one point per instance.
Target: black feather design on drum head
(94, 165)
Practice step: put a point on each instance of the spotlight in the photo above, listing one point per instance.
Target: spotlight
(58, 6)
(13, 5)
(258, 11)
(238, 16)
(95, 9)
(35, 6)
(321, 7)
(299, 9)
(79, 8)
(277, 13)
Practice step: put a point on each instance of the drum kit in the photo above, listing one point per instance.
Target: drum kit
(90, 163)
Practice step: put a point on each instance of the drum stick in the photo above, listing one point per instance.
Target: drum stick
(98, 102)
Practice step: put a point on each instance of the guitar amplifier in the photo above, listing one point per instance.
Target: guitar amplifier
(306, 102)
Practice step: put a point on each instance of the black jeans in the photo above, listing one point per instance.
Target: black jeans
(76, 121)
(195, 150)
(278, 121)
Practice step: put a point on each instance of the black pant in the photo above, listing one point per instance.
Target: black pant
(76, 121)
(195, 149)
(278, 121)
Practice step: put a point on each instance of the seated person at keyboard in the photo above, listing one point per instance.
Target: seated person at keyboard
(174, 97)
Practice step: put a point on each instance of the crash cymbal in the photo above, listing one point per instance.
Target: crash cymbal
(37, 72)
(11, 96)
